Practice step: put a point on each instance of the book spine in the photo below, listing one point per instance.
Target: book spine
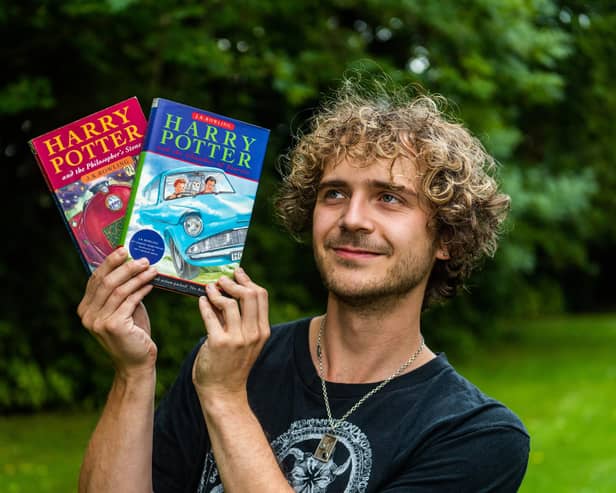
(147, 144)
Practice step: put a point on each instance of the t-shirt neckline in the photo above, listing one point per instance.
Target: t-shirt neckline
(310, 376)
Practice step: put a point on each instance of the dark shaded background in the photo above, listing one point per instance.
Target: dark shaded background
(533, 80)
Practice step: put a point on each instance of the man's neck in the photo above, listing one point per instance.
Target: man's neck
(362, 346)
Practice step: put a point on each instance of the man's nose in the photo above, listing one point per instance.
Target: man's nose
(357, 215)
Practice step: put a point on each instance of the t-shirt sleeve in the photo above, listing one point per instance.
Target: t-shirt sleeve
(489, 459)
(180, 439)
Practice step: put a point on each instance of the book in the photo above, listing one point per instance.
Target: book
(89, 166)
(193, 195)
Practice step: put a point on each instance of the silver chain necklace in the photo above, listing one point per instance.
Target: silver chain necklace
(326, 446)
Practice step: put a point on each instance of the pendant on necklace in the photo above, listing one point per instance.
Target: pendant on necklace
(326, 447)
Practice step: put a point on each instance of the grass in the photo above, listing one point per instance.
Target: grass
(42, 453)
(558, 375)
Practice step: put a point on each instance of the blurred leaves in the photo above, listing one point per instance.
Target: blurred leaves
(25, 94)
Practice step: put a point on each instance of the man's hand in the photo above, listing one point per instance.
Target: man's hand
(112, 310)
(237, 324)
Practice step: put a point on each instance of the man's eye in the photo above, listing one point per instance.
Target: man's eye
(332, 194)
(389, 198)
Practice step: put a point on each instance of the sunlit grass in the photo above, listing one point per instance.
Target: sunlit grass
(42, 453)
(558, 375)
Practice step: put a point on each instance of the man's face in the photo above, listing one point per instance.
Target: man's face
(180, 186)
(370, 236)
(209, 186)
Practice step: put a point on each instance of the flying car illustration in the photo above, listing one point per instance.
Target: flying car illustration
(201, 217)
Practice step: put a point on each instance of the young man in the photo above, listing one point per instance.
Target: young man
(400, 205)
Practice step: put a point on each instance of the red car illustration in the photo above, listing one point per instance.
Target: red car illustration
(99, 225)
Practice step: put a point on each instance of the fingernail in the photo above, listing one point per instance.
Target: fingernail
(121, 250)
(143, 261)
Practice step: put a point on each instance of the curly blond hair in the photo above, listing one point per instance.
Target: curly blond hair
(456, 174)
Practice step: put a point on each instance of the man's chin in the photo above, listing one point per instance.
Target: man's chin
(355, 291)
(367, 300)
(362, 291)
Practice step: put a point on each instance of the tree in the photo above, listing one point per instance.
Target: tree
(510, 68)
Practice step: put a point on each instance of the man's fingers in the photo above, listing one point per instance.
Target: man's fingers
(261, 300)
(112, 320)
(118, 283)
(128, 307)
(113, 260)
(213, 323)
(228, 308)
(247, 297)
(134, 277)
(236, 311)
(108, 293)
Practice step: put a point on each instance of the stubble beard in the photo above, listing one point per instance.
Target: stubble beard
(377, 292)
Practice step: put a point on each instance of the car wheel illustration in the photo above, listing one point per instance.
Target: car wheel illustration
(183, 268)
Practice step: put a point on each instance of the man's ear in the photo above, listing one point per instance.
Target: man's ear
(442, 253)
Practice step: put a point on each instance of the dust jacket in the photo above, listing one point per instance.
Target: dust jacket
(193, 195)
(89, 166)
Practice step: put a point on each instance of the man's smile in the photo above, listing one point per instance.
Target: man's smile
(355, 253)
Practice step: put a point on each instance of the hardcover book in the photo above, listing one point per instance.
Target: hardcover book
(193, 196)
(89, 166)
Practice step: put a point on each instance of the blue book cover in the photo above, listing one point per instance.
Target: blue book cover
(193, 194)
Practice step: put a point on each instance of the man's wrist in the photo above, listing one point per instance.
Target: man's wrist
(223, 402)
(136, 380)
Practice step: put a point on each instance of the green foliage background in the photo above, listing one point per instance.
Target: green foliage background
(532, 78)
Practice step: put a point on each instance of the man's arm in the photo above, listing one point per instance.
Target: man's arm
(237, 326)
(119, 455)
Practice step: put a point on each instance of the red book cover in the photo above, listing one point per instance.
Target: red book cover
(89, 166)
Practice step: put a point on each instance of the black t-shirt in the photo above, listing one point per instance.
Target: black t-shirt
(428, 430)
